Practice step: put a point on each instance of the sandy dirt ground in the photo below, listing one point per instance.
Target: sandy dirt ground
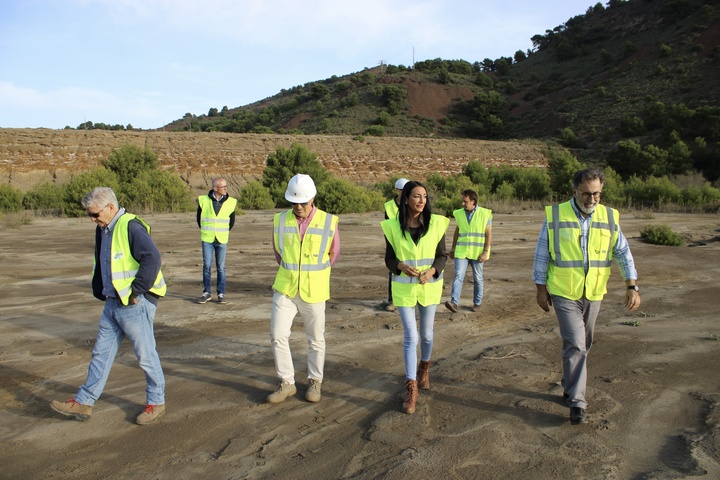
(494, 410)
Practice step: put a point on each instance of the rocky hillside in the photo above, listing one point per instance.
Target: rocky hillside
(29, 157)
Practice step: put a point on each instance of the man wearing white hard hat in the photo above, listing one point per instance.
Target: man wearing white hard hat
(391, 211)
(306, 243)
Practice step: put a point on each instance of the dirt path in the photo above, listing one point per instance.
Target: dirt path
(493, 411)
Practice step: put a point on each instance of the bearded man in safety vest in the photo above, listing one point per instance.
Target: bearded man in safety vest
(306, 243)
(470, 245)
(577, 243)
(128, 279)
(215, 217)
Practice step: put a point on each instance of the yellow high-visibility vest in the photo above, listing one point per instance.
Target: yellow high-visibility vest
(566, 271)
(471, 236)
(215, 226)
(391, 208)
(407, 291)
(304, 265)
(123, 267)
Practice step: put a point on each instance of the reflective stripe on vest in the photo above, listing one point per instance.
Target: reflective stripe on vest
(566, 271)
(304, 265)
(471, 236)
(407, 291)
(215, 226)
(391, 208)
(123, 266)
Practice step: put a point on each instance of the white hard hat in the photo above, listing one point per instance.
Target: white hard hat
(300, 189)
(400, 184)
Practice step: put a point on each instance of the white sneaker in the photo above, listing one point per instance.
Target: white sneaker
(282, 392)
(313, 391)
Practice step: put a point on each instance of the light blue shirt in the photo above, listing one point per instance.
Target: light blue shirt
(621, 251)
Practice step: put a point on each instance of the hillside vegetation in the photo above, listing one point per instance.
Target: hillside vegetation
(629, 84)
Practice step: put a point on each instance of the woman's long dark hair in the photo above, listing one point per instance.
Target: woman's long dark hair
(403, 210)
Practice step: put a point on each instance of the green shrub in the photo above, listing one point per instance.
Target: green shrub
(339, 196)
(11, 199)
(562, 166)
(46, 197)
(613, 192)
(129, 161)
(661, 235)
(157, 191)
(285, 163)
(79, 185)
(375, 130)
(505, 191)
(700, 196)
(654, 191)
(255, 196)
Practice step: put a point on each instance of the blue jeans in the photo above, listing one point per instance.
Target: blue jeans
(207, 250)
(461, 265)
(410, 340)
(117, 322)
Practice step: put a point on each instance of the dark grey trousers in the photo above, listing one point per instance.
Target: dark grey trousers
(577, 325)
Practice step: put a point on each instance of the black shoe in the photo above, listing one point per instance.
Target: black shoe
(577, 416)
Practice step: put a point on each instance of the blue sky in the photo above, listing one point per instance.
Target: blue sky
(148, 62)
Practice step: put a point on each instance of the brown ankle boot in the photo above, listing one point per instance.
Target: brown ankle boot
(411, 396)
(423, 375)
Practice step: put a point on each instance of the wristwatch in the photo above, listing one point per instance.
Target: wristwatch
(634, 287)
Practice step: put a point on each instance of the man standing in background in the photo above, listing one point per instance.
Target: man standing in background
(470, 245)
(215, 217)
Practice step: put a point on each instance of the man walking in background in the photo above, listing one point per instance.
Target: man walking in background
(306, 243)
(128, 279)
(391, 211)
(215, 217)
(470, 245)
(577, 243)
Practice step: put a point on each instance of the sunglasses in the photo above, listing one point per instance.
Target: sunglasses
(96, 214)
(301, 204)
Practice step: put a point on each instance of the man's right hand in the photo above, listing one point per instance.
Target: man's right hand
(543, 298)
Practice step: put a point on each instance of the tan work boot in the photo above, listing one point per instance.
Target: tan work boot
(411, 396)
(283, 391)
(71, 408)
(150, 414)
(313, 391)
(423, 375)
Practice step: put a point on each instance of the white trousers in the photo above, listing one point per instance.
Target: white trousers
(284, 310)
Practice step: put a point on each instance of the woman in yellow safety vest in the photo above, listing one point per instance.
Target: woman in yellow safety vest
(415, 254)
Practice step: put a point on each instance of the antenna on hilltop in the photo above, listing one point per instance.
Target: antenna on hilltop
(413, 58)
(382, 66)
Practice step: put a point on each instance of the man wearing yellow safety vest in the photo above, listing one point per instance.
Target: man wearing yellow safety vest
(128, 279)
(470, 245)
(577, 243)
(391, 211)
(215, 217)
(306, 243)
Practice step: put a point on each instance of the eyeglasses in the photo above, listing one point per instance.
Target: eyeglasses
(220, 186)
(587, 195)
(301, 204)
(97, 214)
